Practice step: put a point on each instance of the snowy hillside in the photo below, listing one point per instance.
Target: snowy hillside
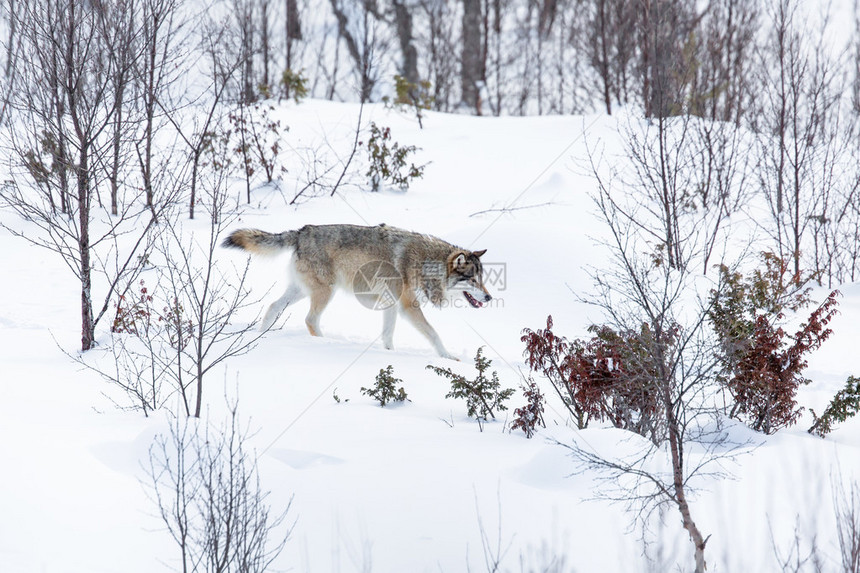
(416, 486)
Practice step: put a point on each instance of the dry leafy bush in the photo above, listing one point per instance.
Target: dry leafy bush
(762, 365)
(530, 416)
(610, 377)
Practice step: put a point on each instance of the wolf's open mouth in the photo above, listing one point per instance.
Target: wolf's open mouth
(472, 300)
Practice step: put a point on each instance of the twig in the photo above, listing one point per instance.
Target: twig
(352, 153)
(511, 209)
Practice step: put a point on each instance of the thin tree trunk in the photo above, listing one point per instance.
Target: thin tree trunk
(264, 41)
(680, 494)
(195, 163)
(470, 71)
(117, 144)
(403, 18)
(674, 430)
(149, 105)
(293, 29)
(604, 57)
(646, 57)
(87, 323)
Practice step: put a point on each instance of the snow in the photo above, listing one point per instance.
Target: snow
(415, 486)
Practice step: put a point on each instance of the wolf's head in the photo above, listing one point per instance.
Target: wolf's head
(465, 274)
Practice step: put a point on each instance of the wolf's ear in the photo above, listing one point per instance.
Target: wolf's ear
(480, 253)
(460, 260)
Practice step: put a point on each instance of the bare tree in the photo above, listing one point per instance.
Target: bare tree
(206, 484)
(265, 31)
(204, 132)
(68, 101)
(601, 50)
(666, 28)
(203, 299)
(689, 176)
(639, 296)
(725, 50)
(440, 51)
(186, 328)
(685, 176)
(854, 50)
(403, 21)
(611, 24)
(168, 336)
(493, 53)
(721, 169)
(245, 36)
(159, 31)
(832, 248)
(357, 27)
(118, 22)
(292, 30)
(471, 58)
(795, 120)
(847, 504)
(11, 43)
(838, 230)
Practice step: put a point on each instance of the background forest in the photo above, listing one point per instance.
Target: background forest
(667, 379)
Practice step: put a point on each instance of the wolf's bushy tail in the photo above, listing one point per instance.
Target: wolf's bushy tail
(260, 242)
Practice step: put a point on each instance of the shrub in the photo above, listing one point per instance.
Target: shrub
(133, 317)
(205, 480)
(762, 365)
(845, 404)
(411, 95)
(138, 318)
(294, 85)
(177, 324)
(529, 416)
(385, 390)
(609, 377)
(483, 395)
(256, 138)
(388, 161)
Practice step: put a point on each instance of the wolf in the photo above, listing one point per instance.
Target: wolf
(393, 268)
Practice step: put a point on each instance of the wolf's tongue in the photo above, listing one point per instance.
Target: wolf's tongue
(472, 300)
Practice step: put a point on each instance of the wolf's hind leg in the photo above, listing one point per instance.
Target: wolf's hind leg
(320, 297)
(389, 318)
(294, 293)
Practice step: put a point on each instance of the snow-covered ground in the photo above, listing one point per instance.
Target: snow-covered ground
(415, 486)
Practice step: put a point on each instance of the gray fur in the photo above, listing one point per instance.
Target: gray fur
(329, 256)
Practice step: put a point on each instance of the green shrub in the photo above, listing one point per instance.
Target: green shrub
(385, 390)
(389, 160)
(483, 395)
(845, 404)
(408, 95)
(294, 85)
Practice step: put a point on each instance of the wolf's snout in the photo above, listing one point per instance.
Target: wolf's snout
(487, 297)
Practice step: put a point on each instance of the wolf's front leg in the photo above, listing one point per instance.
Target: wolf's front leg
(412, 311)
